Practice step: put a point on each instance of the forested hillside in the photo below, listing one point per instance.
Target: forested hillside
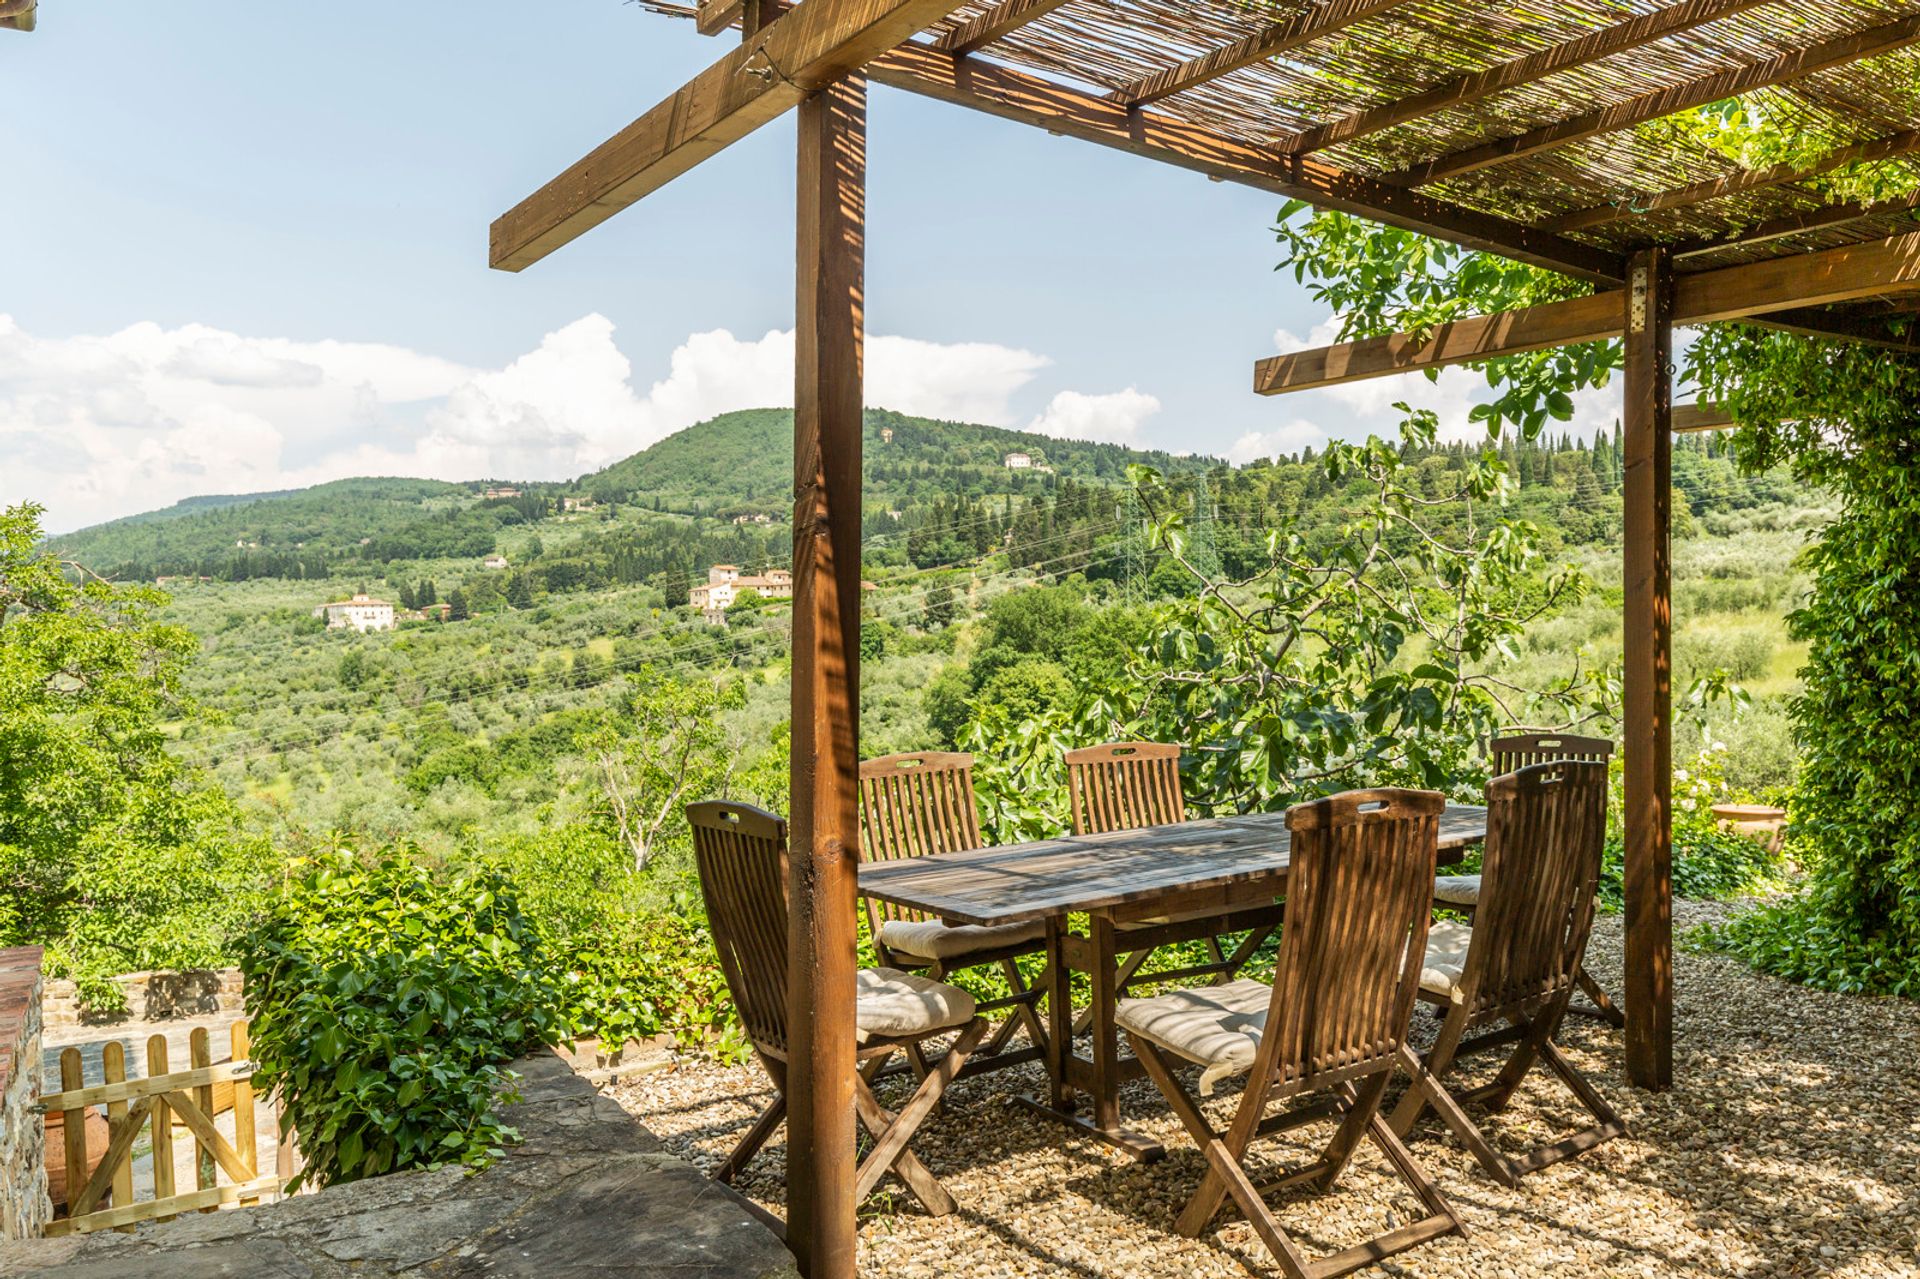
(561, 696)
(444, 729)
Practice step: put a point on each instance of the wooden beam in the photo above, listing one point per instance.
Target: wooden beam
(804, 50)
(1843, 274)
(1777, 290)
(1303, 28)
(1895, 144)
(1689, 419)
(992, 23)
(1647, 668)
(1826, 216)
(1462, 90)
(1730, 83)
(1588, 319)
(824, 854)
(1015, 95)
(714, 16)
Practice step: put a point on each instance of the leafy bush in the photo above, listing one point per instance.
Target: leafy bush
(1843, 416)
(627, 962)
(385, 1000)
(114, 854)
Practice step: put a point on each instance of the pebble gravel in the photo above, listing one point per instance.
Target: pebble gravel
(1789, 1146)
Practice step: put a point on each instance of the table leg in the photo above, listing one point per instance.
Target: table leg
(1100, 1077)
(1106, 1035)
(1059, 1015)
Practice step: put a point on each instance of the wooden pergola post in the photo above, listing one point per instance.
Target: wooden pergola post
(1647, 728)
(829, 300)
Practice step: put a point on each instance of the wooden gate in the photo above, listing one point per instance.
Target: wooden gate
(193, 1099)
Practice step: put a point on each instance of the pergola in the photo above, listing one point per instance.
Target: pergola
(1535, 132)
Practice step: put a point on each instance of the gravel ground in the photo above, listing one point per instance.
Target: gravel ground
(1790, 1146)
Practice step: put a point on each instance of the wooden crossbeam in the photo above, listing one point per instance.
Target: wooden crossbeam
(1014, 95)
(1905, 142)
(1732, 82)
(715, 16)
(1588, 319)
(798, 53)
(992, 23)
(1303, 28)
(1462, 90)
(1731, 293)
(1826, 216)
(1693, 418)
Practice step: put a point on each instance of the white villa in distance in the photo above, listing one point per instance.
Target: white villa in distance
(1019, 461)
(362, 613)
(725, 582)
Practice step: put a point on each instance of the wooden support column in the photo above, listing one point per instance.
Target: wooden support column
(829, 299)
(1647, 675)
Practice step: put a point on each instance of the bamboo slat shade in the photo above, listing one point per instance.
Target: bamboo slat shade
(1515, 751)
(1124, 786)
(911, 805)
(1559, 111)
(1414, 48)
(1546, 825)
(1349, 964)
(741, 852)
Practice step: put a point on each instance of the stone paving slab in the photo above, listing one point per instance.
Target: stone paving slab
(588, 1192)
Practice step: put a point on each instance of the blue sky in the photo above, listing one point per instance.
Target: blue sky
(247, 249)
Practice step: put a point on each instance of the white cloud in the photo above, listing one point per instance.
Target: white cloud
(1290, 438)
(96, 427)
(1114, 418)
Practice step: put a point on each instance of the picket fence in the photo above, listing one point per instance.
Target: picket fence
(224, 1172)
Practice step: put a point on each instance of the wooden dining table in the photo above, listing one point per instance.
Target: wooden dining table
(1229, 872)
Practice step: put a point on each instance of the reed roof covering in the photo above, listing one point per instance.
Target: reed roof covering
(1409, 48)
(1577, 135)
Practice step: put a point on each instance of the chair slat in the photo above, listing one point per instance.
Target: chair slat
(1348, 969)
(1124, 786)
(741, 854)
(912, 805)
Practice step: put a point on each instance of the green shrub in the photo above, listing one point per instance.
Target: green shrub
(1707, 864)
(385, 1000)
(628, 962)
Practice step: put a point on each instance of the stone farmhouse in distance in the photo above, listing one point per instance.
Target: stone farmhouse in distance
(361, 613)
(725, 582)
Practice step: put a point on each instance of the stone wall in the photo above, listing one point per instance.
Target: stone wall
(24, 1210)
(150, 996)
(587, 1192)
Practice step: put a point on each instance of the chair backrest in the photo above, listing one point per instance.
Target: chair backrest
(1359, 896)
(1124, 786)
(912, 805)
(741, 852)
(1546, 829)
(1519, 749)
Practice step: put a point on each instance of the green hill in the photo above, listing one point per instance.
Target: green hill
(742, 464)
(295, 534)
(735, 467)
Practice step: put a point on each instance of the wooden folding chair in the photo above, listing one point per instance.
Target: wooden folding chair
(1334, 1022)
(1517, 750)
(742, 854)
(913, 805)
(1518, 962)
(1122, 786)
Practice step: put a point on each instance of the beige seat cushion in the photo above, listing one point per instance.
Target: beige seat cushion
(1447, 945)
(1215, 1027)
(1457, 890)
(931, 939)
(890, 1004)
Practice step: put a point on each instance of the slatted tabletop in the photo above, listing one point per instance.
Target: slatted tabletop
(1017, 883)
